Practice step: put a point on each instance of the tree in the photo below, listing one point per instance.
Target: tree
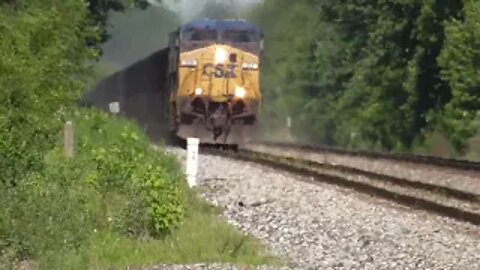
(460, 60)
(42, 70)
(372, 74)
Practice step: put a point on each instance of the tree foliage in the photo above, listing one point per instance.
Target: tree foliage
(460, 62)
(43, 60)
(52, 206)
(379, 74)
(43, 66)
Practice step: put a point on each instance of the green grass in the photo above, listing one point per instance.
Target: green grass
(204, 237)
(117, 204)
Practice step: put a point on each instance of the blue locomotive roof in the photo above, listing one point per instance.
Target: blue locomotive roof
(221, 25)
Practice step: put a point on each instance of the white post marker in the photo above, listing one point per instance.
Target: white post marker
(192, 161)
(289, 128)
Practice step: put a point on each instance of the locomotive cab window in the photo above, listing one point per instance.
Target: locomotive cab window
(239, 36)
(200, 35)
(194, 38)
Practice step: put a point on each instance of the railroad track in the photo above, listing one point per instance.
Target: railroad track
(422, 159)
(454, 203)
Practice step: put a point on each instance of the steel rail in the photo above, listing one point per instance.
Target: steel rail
(314, 169)
(424, 159)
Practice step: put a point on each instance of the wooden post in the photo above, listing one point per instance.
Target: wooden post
(68, 140)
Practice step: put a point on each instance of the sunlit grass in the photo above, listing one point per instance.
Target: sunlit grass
(204, 237)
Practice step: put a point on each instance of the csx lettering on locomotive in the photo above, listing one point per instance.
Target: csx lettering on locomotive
(220, 70)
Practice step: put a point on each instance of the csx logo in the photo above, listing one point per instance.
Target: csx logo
(220, 70)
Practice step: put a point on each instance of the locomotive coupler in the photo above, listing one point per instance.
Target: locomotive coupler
(218, 122)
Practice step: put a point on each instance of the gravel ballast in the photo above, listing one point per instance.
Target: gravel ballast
(319, 226)
(468, 181)
(213, 266)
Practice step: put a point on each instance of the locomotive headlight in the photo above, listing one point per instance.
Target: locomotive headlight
(198, 91)
(253, 66)
(220, 56)
(240, 92)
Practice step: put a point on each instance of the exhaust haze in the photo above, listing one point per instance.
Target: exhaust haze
(139, 33)
(136, 34)
(193, 9)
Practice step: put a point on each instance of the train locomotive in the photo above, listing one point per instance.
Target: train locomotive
(213, 87)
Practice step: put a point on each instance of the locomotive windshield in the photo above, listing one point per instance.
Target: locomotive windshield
(242, 39)
(194, 38)
(239, 36)
(200, 35)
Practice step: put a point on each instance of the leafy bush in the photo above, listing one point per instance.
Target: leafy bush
(114, 183)
(124, 164)
(46, 212)
(42, 65)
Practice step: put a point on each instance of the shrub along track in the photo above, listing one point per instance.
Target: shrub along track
(443, 200)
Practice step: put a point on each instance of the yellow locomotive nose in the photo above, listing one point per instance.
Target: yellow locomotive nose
(214, 80)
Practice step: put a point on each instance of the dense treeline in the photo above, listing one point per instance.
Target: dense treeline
(373, 74)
